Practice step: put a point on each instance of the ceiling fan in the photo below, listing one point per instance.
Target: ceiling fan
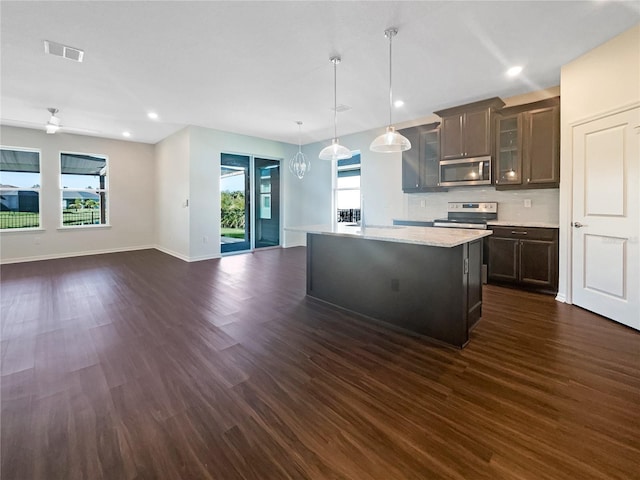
(52, 126)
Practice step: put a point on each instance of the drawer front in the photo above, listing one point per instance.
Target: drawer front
(549, 234)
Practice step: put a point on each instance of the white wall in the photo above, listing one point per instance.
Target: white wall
(172, 191)
(603, 80)
(131, 179)
(190, 166)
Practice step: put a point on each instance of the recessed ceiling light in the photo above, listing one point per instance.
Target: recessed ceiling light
(398, 103)
(514, 71)
(152, 115)
(126, 134)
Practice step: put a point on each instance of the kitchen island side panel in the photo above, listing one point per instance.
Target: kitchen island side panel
(419, 288)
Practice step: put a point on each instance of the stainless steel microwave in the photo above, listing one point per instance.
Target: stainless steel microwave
(465, 171)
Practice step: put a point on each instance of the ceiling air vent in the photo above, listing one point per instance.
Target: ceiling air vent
(65, 51)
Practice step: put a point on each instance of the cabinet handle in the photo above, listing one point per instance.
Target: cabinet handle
(516, 232)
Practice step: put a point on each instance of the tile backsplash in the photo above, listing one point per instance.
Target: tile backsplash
(544, 203)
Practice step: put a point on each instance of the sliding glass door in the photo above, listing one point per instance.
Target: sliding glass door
(235, 202)
(267, 195)
(249, 203)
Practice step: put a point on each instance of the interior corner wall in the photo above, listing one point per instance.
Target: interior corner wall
(205, 147)
(172, 194)
(131, 210)
(599, 82)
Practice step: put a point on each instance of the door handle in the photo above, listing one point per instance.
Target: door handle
(578, 224)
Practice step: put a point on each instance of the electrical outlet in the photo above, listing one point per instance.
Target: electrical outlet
(205, 239)
(423, 203)
(527, 203)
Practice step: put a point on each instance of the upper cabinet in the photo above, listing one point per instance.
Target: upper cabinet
(420, 163)
(528, 139)
(467, 130)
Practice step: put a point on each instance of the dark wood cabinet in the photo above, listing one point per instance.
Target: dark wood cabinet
(420, 164)
(523, 257)
(528, 146)
(467, 130)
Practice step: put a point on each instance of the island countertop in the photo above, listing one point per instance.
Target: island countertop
(430, 236)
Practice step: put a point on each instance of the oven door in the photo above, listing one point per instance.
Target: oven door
(465, 171)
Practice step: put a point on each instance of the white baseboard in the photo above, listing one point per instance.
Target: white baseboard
(203, 257)
(53, 256)
(182, 257)
(561, 298)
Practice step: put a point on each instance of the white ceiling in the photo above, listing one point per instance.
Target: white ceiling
(257, 67)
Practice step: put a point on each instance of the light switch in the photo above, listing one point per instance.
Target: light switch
(527, 203)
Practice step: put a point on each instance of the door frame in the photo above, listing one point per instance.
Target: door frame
(566, 200)
(252, 185)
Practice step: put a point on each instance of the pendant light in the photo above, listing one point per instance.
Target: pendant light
(390, 141)
(299, 163)
(335, 151)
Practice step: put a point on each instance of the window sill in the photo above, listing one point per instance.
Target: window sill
(83, 227)
(22, 230)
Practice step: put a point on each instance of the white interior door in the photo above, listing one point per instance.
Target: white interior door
(606, 216)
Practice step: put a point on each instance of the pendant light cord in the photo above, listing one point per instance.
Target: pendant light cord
(335, 61)
(390, 34)
(299, 136)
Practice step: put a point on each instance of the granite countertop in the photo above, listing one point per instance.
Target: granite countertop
(432, 237)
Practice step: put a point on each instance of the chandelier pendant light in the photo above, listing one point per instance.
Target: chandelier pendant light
(335, 151)
(390, 141)
(299, 163)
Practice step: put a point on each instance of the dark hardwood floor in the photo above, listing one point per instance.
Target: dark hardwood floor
(139, 366)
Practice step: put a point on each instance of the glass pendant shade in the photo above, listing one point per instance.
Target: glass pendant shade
(389, 142)
(335, 151)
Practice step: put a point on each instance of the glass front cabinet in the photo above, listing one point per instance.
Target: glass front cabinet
(509, 156)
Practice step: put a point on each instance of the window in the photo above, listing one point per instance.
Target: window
(347, 191)
(19, 188)
(83, 179)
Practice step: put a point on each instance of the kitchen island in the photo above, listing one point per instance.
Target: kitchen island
(425, 281)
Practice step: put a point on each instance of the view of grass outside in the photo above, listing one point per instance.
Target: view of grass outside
(232, 232)
(19, 219)
(232, 214)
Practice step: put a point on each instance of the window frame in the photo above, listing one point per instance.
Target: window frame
(31, 189)
(105, 190)
(335, 169)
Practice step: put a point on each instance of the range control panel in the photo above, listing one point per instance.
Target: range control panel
(473, 207)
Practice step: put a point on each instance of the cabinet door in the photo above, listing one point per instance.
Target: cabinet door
(430, 155)
(508, 170)
(451, 142)
(411, 160)
(542, 146)
(477, 133)
(538, 264)
(503, 259)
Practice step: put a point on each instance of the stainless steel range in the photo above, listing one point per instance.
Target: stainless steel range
(468, 215)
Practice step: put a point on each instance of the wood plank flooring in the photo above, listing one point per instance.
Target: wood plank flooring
(140, 366)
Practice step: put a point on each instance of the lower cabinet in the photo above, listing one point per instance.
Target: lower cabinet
(523, 257)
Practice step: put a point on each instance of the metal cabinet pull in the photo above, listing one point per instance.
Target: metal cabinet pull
(516, 232)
